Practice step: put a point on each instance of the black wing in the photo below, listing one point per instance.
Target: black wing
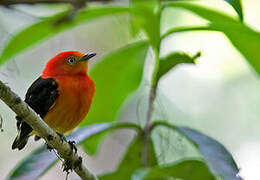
(40, 97)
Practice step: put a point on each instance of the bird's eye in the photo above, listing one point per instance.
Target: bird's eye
(71, 60)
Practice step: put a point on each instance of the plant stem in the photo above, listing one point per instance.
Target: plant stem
(152, 92)
(152, 95)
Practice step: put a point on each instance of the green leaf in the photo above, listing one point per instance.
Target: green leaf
(46, 28)
(40, 160)
(146, 16)
(236, 4)
(115, 76)
(217, 157)
(173, 59)
(209, 14)
(132, 160)
(184, 169)
(239, 34)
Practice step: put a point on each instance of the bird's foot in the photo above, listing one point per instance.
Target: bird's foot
(49, 147)
(71, 143)
(37, 138)
(19, 118)
(62, 137)
(67, 166)
(73, 146)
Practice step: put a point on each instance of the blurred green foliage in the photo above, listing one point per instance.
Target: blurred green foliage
(238, 33)
(236, 4)
(50, 26)
(119, 74)
(124, 65)
(132, 160)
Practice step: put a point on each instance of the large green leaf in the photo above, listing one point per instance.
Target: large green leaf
(132, 160)
(115, 77)
(40, 160)
(217, 157)
(246, 40)
(219, 160)
(48, 27)
(207, 13)
(236, 4)
(146, 16)
(184, 169)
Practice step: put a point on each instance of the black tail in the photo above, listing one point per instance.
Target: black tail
(21, 139)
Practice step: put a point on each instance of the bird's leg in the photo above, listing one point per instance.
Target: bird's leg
(19, 118)
(67, 165)
(73, 146)
(62, 137)
(71, 143)
(37, 138)
(49, 147)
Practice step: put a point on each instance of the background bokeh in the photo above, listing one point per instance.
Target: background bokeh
(220, 96)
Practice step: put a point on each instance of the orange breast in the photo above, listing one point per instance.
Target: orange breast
(73, 103)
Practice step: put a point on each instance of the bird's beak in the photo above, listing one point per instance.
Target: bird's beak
(88, 56)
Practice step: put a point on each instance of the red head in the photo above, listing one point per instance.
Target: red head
(68, 63)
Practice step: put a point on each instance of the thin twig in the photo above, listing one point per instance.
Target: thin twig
(52, 138)
(152, 95)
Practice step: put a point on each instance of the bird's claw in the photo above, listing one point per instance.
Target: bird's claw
(73, 146)
(49, 147)
(71, 143)
(62, 137)
(67, 166)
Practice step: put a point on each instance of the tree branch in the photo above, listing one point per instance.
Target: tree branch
(76, 4)
(52, 138)
(73, 2)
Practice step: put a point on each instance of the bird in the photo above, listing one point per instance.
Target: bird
(61, 96)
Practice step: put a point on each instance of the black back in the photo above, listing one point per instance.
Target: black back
(41, 95)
